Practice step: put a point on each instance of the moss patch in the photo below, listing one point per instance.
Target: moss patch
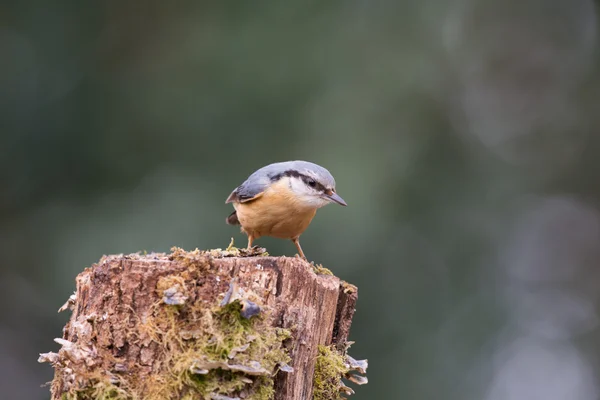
(216, 352)
(321, 270)
(329, 370)
(331, 367)
(100, 391)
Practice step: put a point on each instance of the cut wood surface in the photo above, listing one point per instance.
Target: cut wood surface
(115, 336)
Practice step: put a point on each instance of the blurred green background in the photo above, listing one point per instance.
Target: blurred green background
(463, 134)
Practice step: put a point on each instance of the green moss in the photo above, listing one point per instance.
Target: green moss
(329, 370)
(218, 338)
(333, 364)
(348, 288)
(321, 270)
(100, 390)
(263, 392)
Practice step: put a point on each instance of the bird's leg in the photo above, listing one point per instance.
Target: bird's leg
(250, 240)
(296, 241)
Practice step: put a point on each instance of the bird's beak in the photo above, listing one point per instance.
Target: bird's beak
(336, 198)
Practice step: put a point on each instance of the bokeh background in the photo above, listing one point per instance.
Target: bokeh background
(464, 134)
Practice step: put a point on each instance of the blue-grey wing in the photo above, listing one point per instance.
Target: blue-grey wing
(251, 189)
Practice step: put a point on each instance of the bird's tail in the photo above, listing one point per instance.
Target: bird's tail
(232, 219)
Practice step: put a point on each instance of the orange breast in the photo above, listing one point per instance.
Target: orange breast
(276, 213)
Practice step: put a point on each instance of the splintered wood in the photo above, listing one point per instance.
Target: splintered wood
(202, 324)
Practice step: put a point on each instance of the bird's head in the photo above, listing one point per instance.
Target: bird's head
(310, 184)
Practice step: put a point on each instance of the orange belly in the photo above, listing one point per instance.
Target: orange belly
(275, 214)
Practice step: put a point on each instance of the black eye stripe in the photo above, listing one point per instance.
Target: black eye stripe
(312, 183)
(309, 181)
(306, 179)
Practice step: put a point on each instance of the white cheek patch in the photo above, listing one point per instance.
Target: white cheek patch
(314, 201)
(299, 188)
(306, 195)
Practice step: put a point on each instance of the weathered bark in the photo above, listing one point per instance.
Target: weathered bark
(114, 332)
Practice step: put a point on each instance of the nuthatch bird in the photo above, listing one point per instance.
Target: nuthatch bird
(281, 199)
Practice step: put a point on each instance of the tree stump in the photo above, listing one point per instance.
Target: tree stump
(231, 324)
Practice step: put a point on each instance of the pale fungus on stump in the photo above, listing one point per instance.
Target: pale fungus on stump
(220, 324)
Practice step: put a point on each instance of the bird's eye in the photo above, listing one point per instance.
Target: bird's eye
(311, 183)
